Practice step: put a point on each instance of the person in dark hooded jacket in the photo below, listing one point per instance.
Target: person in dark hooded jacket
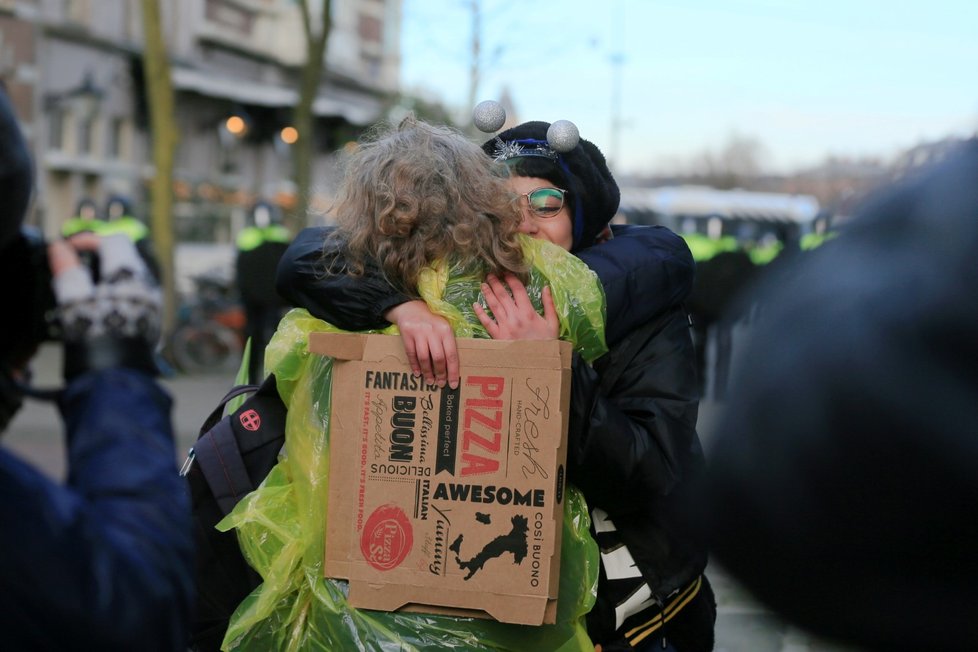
(842, 486)
(633, 446)
(104, 560)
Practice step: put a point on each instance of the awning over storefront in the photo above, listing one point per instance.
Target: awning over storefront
(357, 108)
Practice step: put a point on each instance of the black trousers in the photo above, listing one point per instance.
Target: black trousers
(261, 320)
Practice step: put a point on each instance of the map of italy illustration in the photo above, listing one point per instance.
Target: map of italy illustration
(513, 542)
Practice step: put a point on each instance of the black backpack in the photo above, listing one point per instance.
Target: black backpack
(233, 454)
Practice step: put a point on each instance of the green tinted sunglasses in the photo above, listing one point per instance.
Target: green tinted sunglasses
(544, 202)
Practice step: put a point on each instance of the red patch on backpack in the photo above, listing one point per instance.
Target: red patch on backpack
(250, 419)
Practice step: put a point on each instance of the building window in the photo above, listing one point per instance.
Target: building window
(117, 139)
(372, 65)
(56, 129)
(79, 11)
(201, 222)
(86, 134)
(371, 28)
(228, 15)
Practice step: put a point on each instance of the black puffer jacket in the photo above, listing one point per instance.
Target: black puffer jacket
(634, 452)
(633, 447)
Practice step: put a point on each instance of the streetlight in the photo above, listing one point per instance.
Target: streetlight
(76, 107)
(236, 126)
(230, 132)
(289, 135)
(83, 99)
(82, 102)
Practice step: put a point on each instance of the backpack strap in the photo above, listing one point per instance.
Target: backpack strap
(220, 461)
(219, 449)
(218, 412)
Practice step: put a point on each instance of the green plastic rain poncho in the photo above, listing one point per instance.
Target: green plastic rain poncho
(281, 525)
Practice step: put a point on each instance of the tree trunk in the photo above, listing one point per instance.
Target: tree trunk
(164, 136)
(304, 148)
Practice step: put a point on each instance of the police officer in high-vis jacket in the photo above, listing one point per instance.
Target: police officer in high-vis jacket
(260, 246)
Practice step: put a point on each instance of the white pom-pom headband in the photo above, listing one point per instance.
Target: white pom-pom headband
(562, 136)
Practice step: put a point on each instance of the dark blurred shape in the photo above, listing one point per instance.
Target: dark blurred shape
(16, 173)
(844, 472)
(260, 246)
(714, 308)
(26, 259)
(23, 257)
(209, 336)
(118, 207)
(103, 561)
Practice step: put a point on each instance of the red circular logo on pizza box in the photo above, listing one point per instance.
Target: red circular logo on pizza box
(386, 538)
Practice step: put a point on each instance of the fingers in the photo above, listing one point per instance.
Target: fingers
(520, 296)
(61, 257)
(513, 315)
(437, 356)
(423, 351)
(412, 354)
(497, 297)
(85, 241)
(71, 281)
(428, 342)
(452, 370)
(550, 311)
(487, 322)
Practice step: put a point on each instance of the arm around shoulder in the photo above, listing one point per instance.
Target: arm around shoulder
(312, 274)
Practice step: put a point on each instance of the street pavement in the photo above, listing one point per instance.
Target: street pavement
(742, 624)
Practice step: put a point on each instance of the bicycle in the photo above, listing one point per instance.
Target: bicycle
(209, 337)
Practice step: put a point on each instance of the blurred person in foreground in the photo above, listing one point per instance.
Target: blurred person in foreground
(103, 561)
(844, 473)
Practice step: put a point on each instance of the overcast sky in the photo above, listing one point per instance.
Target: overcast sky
(805, 78)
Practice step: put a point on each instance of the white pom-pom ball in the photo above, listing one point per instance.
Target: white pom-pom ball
(489, 116)
(563, 136)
